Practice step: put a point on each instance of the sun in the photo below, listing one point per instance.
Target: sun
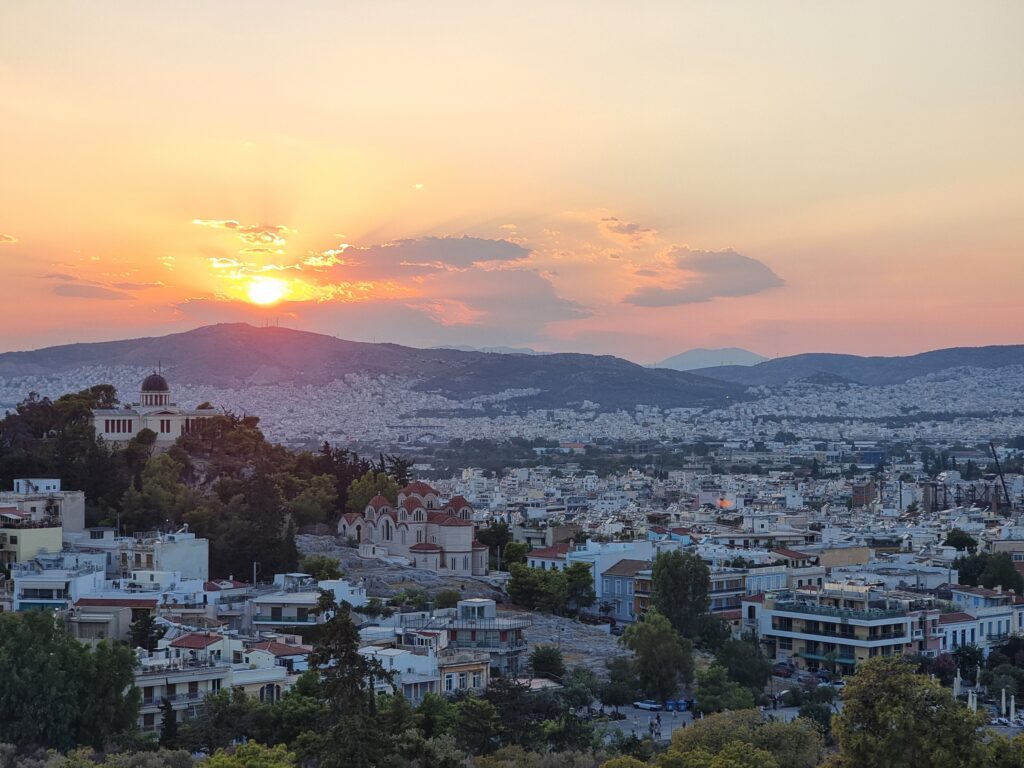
(266, 290)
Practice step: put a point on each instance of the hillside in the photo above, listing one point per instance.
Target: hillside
(240, 355)
(872, 371)
(694, 359)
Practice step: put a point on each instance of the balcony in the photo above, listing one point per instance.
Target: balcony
(870, 614)
(263, 618)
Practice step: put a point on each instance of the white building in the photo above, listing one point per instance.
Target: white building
(43, 498)
(155, 411)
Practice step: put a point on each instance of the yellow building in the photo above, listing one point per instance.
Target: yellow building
(22, 538)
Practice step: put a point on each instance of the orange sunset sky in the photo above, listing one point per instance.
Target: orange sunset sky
(632, 178)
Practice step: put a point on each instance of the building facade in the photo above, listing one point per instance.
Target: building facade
(431, 534)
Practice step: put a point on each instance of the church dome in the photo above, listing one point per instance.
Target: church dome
(155, 383)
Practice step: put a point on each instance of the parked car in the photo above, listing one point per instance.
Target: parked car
(782, 670)
(649, 704)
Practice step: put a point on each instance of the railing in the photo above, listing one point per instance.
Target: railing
(453, 622)
(869, 614)
(266, 618)
(495, 645)
(179, 665)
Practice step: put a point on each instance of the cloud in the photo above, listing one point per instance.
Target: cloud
(59, 276)
(7, 238)
(251, 234)
(407, 258)
(83, 291)
(137, 286)
(706, 275)
(626, 232)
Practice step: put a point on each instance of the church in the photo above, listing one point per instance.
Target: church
(155, 410)
(429, 533)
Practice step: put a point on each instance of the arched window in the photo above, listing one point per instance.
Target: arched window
(419, 517)
(402, 535)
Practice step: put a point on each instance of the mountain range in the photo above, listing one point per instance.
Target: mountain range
(693, 359)
(239, 355)
(824, 368)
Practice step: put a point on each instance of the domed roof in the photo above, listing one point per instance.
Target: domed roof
(155, 383)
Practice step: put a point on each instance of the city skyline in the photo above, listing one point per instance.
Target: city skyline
(601, 178)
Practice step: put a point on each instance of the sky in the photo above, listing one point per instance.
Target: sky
(627, 178)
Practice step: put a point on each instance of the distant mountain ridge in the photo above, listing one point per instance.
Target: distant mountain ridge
(700, 357)
(873, 371)
(239, 355)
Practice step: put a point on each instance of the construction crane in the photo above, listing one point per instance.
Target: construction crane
(1002, 480)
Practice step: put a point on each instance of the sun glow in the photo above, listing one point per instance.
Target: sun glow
(266, 290)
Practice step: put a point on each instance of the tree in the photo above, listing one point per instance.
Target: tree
(745, 663)
(547, 661)
(968, 659)
(989, 570)
(679, 590)
(321, 567)
(579, 587)
(447, 598)
(514, 552)
(433, 715)
(168, 724)
(796, 744)
(251, 755)
(316, 502)
(144, 632)
(476, 725)
(716, 692)
(47, 675)
(162, 497)
(362, 491)
(348, 680)
(894, 717)
(664, 660)
(960, 540)
(623, 685)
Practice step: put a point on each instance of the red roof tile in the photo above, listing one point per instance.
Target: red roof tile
(117, 602)
(195, 641)
(955, 618)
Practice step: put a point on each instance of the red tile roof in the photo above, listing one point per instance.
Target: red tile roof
(118, 602)
(554, 552)
(418, 488)
(424, 547)
(195, 641)
(379, 502)
(792, 554)
(280, 649)
(216, 586)
(955, 618)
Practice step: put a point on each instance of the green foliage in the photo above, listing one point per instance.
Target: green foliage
(514, 552)
(320, 567)
(716, 692)
(549, 591)
(960, 540)
(894, 717)
(447, 598)
(56, 692)
(315, 501)
(989, 570)
(252, 755)
(476, 726)
(968, 659)
(745, 663)
(622, 685)
(679, 590)
(162, 498)
(546, 661)
(145, 632)
(797, 744)
(664, 660)
(362, 491)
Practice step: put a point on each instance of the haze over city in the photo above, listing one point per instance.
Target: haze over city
(593, 177)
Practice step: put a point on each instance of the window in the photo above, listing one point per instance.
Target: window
(463, 680)
(95, 534)
(449, 682)
(477, 680)
(13, 539)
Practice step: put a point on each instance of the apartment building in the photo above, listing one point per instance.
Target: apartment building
(294, 601)
(475, 625)
(841, 625)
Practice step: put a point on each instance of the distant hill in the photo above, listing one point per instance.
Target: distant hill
(873, 371)
(495, 350)
(705, 358)
(238, 355)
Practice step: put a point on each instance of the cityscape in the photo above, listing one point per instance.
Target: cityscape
(468, 385)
